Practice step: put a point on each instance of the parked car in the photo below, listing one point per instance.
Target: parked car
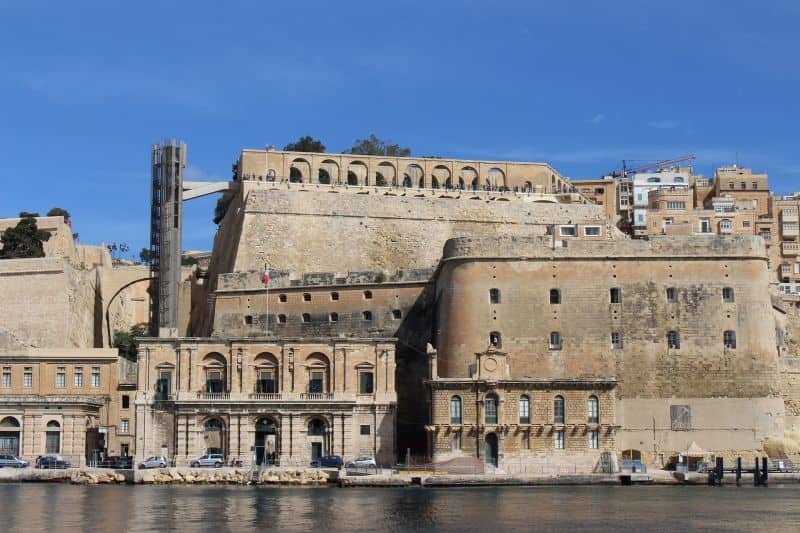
(211, 459)
(109, 462)
(125, 462)
(361, 462)
(12, 461)
(154, 462)
(328, 461)
(51, 461)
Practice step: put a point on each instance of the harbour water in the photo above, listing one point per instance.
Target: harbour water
(62, 507)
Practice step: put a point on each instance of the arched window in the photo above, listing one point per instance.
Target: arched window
(672, 295)
(558, 410)
(316, 427)
(490, 409)
(281, 319)
(593, 410)
(673, 340)
(495, 341)
(455, 410)
(367, 315)
(334, 317)
(524, 410)
(306, 317)
(729, 339)
(555, 296)
(53, 437)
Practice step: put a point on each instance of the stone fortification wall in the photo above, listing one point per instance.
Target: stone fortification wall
(47, 304)
(731, 393)
(322, 231)
(323, 304)
(60, 243)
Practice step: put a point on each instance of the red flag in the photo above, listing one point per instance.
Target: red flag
(265, 278)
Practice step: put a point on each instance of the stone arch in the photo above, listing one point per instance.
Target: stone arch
(267, 374)
(357, 173)
(318, 367)
(414, 174)
(267, 440)
(52, 435)
(10, 433)
(328, 171)
(528, 187)
(468, 175)
(215, 367)
(299, 170)
(317, 436)
(385, 175)
(496, 178)
(440, 175)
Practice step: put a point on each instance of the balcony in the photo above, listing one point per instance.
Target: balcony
(790, 248)
(213, 395)
(789, 230)
(316, 396)
(789, 215)
(266, 396)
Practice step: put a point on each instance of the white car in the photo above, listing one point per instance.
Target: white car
(212, 459)
(361, 462)
(154, 462)
(12, 461)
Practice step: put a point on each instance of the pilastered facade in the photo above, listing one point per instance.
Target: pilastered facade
(266, 401)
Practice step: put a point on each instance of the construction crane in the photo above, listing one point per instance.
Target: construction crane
(658, 164)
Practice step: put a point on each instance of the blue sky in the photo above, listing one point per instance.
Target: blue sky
(87, 87)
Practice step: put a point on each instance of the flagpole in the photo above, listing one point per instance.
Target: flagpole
(266, 286)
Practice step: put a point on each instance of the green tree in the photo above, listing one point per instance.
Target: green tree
(187, 260)
(375, 146)
(222, 207)
(125, 342)
(59, 212)
(145, 256)
(24, 240)
(26, 214)
(305, 144)
(117, 249)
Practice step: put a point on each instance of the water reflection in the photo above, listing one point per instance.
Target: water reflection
(54, 507)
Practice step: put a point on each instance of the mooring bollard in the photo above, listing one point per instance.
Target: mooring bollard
(719, 470)
(764, 473)
(738, 471)
(756, 476)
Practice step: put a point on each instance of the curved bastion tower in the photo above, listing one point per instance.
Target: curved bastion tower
(551, 352)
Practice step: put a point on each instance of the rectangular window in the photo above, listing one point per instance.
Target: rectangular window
(123, 425)
(616, 295)
(266, 382)
(315, 384)
(124, 450)
(591, 231)
(594, 439)
(27, 377)
(6, 377)
(705, 225)
(555, 340)
(494, 296)
(52, 443)
(61, 377)
(126, 401)
(672, 295)
(365, 382)
(727, 294)
(745, 223)
(567, 231)
(163, 385)
(95, 377)
(558, 440)
(616, 340)
(676, 205)
(364, 429)
(77, 377)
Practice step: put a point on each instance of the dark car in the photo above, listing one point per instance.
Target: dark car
(328, 461)
(51, 461)
(125, 462)
(109, 462)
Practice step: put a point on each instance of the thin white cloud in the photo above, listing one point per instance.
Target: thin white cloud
(664, 124)
(193, 172)
(598, 118)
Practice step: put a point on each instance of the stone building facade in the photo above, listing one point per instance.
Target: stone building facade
(650, 344)
(76, 403)
(266, 401)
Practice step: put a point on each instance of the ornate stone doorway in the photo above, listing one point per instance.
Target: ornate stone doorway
(266, 442)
